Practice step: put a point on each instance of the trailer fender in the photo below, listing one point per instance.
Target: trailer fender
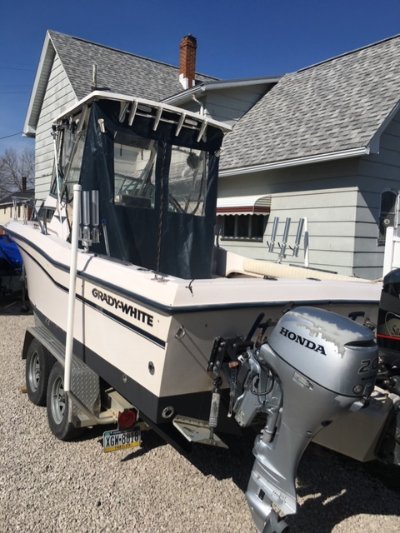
(27, 341)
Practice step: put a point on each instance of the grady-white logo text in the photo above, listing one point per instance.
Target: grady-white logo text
(126, 308)
(311, 345)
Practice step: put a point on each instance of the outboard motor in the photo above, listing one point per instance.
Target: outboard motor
(388, 337)
(388, 333)
(315, 366)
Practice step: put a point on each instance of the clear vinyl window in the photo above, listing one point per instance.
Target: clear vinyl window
(134, 170)
(70, 147)
(187, 181)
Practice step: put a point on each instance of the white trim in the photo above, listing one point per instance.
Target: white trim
(108, 95)
(374, 143)
(29, 129)
(240, 201)
(353, 152)
(243, 205)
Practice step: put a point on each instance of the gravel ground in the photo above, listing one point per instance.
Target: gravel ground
(47, 485)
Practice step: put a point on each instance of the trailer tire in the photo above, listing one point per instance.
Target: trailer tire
(59, 406)
(37, 371)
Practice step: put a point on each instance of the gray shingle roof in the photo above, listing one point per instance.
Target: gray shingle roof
(119, 71)
(29, 193)
(329, 107)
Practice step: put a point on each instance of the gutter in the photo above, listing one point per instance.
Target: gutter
(371, 148)
(217, 85)
(330, 156)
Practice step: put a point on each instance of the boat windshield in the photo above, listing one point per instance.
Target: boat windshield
(187, 178)
(156, 177)
(134, 175)
(134, 170)
(67, 167)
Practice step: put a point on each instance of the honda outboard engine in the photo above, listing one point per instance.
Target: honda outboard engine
(315, 366)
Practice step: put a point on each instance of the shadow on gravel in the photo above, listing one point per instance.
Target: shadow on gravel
(150, 441)
(336, 488)
(235, 463)
(12, 304)
(333, 487)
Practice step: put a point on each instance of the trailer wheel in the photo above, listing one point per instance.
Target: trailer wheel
(59, 406)
(37, 371)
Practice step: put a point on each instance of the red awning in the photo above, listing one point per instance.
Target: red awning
(244, 205)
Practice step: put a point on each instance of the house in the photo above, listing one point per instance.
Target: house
(70, 68)
(12, 205)
(314, 153)
(324, 144)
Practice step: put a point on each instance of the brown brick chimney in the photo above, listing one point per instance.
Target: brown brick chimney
(23, 184)
(187, 61)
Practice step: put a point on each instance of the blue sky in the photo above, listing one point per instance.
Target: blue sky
(236, 38)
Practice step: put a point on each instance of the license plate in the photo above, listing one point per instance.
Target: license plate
(121, 439)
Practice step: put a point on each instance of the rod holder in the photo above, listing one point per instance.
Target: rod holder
(90, 231)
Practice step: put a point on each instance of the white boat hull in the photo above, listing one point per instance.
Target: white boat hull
(150, 337)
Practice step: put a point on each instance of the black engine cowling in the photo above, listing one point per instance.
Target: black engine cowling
(388, 332)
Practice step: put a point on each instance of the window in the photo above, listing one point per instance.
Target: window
(187, 181)
(72, 143)
(134, 170)
(245, 227)
(387, 214)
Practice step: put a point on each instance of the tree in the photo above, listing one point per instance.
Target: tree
(14, 166)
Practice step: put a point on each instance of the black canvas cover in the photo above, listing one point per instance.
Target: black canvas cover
(161, 214)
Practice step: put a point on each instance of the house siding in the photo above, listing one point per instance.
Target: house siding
(325, 193)
(377, 173)
(341, 200)
(58, 97)
(231, 104)
(227, 105)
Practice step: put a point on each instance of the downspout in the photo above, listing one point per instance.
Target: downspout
(202, 108)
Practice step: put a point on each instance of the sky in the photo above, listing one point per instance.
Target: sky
(236, 38)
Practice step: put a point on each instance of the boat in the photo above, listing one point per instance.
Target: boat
(10, 267)
(122, 266)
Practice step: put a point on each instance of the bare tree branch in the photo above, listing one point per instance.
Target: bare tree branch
(14, 166)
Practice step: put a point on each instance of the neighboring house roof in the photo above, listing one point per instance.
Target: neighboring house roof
(22, 195)
(333, 109)
(118, 71)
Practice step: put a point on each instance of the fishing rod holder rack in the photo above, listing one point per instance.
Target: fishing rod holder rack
(89, 220)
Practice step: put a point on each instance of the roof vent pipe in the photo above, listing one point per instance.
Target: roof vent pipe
(187, 61)
(94, 76)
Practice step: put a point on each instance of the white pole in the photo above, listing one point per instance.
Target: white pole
(388, 255)
(57, 175)
(306, 243)
(72, 287)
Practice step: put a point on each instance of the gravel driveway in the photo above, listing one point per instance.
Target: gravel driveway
(47, 485)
